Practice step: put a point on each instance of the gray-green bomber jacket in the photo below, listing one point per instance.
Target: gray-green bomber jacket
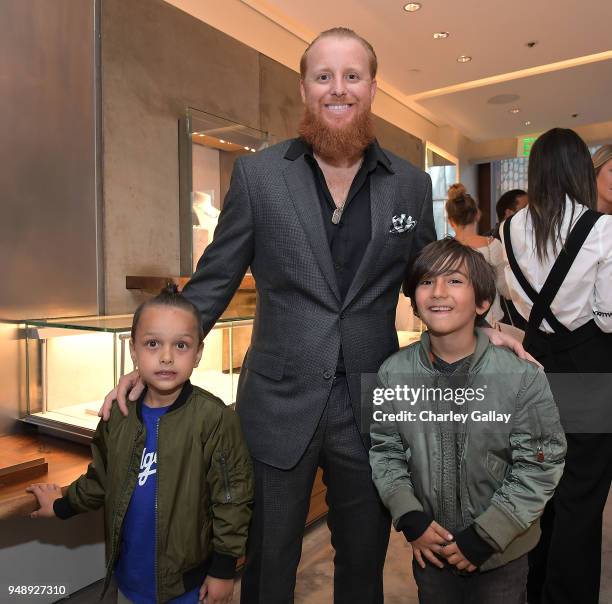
(506, 471)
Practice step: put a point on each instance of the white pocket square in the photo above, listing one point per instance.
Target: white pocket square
(402, 223)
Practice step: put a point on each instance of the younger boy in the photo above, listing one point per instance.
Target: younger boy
(468, 463)
(174, 476)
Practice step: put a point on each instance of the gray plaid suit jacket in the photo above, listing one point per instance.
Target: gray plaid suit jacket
(271, 221)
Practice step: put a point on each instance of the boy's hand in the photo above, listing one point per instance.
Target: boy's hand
(430, 543)
(453, 555)
(130, 387)
(46, 495)
(498, 338)
(216, 591)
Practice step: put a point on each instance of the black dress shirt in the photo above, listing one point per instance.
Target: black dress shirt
(349, 238)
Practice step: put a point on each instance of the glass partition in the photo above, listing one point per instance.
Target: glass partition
(209, 147)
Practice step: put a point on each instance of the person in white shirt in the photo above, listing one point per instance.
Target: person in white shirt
(463, 216)
(559, 272)
(602, 162)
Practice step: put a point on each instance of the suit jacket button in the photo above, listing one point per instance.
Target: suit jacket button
(327, 375)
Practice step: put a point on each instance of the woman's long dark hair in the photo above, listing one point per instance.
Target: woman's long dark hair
(559, 165)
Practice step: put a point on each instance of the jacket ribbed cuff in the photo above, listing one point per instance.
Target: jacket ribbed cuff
(63, 509)
(222, 566)
(413, 524)
(473, 546)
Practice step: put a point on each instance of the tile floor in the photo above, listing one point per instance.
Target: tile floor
(316, 570)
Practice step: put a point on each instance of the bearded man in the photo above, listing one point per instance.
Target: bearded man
(329, 224)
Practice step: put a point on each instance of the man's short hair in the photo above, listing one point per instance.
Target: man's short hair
(508, 201)
(342, 32)
(445, 256)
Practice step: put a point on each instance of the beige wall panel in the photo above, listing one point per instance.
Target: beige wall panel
(281, 103)
(157, 61)
(399, 142)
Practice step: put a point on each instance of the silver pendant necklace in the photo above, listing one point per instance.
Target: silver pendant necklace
(337, 215)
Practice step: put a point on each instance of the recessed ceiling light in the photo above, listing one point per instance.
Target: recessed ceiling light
(531, 44)
(221, 140)
(503, 99)
(252, 150)
(440, 35)
(247, 148)
(575, 114)
(412, 7)
(527, 123)
(464, 59)
(515, 110)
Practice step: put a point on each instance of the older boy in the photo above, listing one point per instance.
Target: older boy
(466, 469)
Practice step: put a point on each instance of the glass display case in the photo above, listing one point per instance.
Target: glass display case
(208, 149)
(71, 364)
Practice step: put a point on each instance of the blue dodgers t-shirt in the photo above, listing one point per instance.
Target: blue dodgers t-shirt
(135, 568)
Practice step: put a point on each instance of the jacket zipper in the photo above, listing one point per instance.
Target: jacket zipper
(155, 563)
(113, 553)
(226, 482)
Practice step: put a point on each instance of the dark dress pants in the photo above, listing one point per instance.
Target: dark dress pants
(358, 521)
(565, 566)
(503, 585)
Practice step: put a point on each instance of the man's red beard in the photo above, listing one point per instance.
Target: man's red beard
(337, 143)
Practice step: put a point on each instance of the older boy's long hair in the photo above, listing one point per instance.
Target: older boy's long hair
(445, 256)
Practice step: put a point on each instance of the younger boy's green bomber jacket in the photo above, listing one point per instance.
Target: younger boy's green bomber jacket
(503, 472)
(204, 488)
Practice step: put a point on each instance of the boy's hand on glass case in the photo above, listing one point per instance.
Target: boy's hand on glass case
(46, 494)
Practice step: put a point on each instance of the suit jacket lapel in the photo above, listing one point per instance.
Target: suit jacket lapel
(303, 193)
(382, 201)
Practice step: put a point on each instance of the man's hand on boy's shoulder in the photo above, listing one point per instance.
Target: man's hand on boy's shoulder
(430, 543)
(454, 556)
(216, 591)
(498, 338)
(130, 387)
(46, 494)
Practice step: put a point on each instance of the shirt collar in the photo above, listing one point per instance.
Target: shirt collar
(373, 156)
(181, 399)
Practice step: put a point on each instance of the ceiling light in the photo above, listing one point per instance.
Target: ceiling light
(221, 140)
(503, 99)
(440, 35)
(247, 148)
(527, 123)
(464, 59)
(575, 114)
(252, 150)
(412, 7)
(515, 110)
(531, 44)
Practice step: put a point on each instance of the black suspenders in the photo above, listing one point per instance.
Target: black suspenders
(542, 300)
